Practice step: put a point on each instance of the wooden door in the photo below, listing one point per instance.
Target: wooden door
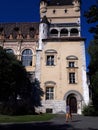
(73, 103)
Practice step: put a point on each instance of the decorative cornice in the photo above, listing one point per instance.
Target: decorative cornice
(17, 40)
(64, 39)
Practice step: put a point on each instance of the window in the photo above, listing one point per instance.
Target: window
(50, 60)
(71, 78)
(71, 64)
(64, 32)
(27, 57)
(74, 32)
(49, 93)
(50, 57)
(54, 32)
(49, 110)
(9, 51)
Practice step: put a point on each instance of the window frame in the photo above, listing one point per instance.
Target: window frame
(71, 64)
(72, 78)
(9, 50)
(49, 94)
(27, 58)
(53, 55)
(50, 60)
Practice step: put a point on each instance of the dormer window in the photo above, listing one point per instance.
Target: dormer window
(58, 3)
(31, 29)
(16, 29)
(1, 29)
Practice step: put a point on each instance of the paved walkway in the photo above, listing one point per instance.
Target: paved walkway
(58, 123)
(79, 122)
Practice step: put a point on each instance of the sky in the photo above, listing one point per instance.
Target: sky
(28, 11)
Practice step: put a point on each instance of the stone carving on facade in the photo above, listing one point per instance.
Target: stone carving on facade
(28, 36)
(76, 4)
(19, 36)
(43, 8)
(2, 35)
(11, 37)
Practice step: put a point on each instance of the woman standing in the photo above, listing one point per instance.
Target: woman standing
(68, 113)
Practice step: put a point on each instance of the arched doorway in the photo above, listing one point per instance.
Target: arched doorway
(72, 101)
(75, 99)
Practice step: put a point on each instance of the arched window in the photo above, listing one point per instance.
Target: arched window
(54, 32)
(74, 32)
(27, 57)
(64, 32)
(9, 51)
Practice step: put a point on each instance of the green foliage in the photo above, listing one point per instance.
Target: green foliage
(93, 51)
(37, 93)
(94, 81)
(92, 17)
(88, 111)
(13, 77)
(91, 14)
(26, 118)
(18, 95)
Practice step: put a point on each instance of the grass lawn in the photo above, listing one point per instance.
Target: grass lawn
(25, 118)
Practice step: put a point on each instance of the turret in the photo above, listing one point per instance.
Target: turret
(43, 8)
(76, 4)
(43, 30)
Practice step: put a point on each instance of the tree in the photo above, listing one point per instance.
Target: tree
(16, 89)
(37, 94)
(92, 17)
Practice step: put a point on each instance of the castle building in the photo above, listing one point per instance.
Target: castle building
(53, 52)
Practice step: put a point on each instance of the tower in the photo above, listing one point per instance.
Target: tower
(43, 34)
(43, 30)
(43, 8)
(63, 62)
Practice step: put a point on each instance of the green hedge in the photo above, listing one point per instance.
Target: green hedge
(89, 111)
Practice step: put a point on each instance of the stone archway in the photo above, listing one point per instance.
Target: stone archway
(75, 99)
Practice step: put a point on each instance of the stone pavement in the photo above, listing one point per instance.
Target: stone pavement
(79, 122)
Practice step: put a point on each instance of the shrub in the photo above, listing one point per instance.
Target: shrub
(20, 108)
(89, 110)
